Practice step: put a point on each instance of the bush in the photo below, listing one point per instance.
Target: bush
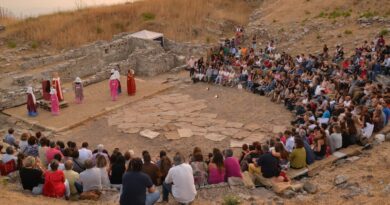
(147, 16)
(348, 32)
(368, 14)
(34, 44)
(11, 44)
(231, 200)
(99, 30)
(384, 32)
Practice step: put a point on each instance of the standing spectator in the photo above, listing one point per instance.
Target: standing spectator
(134, 184)
(180, 181)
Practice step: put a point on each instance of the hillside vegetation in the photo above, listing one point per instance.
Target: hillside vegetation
(181, 20)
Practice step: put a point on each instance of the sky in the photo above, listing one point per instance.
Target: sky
(28, 8)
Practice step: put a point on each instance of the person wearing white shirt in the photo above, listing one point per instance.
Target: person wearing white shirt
(9, 155)
(290, 143)
(180, 182)
(84, 153)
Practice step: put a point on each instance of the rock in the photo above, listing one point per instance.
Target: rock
(310, 188)
(289, 194)
(215, 137)
(185, 133)
(387, 138)
(386, 190)
(340, 179)
(352, 159)
(234, 124)
(252, 126)
(149, 134)
(379, 138)
(235, 181)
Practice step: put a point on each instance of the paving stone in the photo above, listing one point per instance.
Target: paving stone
(185, 133)
(208, 115)
(172, 135)
(252, 126)
(201, 123)
(132, 130)
(215, 137)
(149, 134)
(216, 129)
(169, 127)
(230, 131)
(241, 134)
(234, 124)
(278, 128)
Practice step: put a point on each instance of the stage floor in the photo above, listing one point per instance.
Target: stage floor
(97, 101)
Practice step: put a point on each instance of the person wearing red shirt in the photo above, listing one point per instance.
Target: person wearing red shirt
(55, 184)
(51, 152)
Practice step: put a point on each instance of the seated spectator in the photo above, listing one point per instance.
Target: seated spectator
(216, 168)
(134, 184)
(244, 152)
(269, 164)
(23, 141)
(162, 154)
(199, 168)
(180, 181)
(90, 179)
(319, 146)
(335, 139)
(32, 147)
(232, 167)
(55, 184)
(102, 165)
(128, 156)
(298, 156)
(78, 166)
(44, 146)
(9, 155)
(309, 152)
(84, 153)
(53, 150)
(100, 151)
(118, 168)
(151, 169)
(10, 139)
(165, 165)
(72, 177)
(31, 175)
(61, 165)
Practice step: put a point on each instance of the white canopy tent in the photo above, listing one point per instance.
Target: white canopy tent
(149, 35)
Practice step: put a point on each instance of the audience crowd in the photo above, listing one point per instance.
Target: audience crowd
(336, 100)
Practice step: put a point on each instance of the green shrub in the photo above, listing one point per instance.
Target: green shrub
(368, 14)
(34, 44)
(11, 44)
(231, 200)
(99, 30)
(384, 32)
(322, 15)
(147, 16)
(348, 32)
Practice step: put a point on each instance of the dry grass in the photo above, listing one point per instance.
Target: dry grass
(181, 20)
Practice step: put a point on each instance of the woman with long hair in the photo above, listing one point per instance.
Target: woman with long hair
(216, 168)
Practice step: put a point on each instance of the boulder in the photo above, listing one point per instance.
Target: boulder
(340, 179)
(310, 188)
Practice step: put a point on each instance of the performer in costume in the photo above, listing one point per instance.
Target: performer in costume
(78, 90)
(114, 86)
(118, 77)
(56, 83)
(46, 86)
(31, 103)
(55, 104)
(131, 88)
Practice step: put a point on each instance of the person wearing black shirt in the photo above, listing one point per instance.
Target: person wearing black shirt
(31, 174)
(118, 168)
(134, 186)
(269, 164)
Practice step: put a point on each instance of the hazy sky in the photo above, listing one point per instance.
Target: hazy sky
(23, 8)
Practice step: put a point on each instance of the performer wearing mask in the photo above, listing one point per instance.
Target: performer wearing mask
(78, 90)
(55, 104)
(114, 85)
(131, 88)
(31, 103)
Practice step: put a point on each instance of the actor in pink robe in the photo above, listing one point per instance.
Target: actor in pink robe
(31, 103)
(55, 104)
(114, 86)
(56, 83)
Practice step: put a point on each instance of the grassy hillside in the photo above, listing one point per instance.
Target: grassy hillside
(182, 20)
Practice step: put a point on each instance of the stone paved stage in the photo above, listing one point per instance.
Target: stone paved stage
(97, 102)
